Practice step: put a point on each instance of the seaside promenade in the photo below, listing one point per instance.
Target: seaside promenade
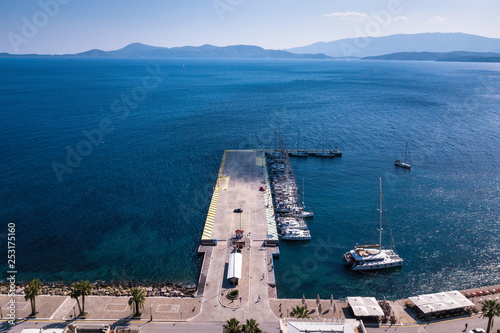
(241, 175)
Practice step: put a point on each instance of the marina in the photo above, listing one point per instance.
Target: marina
(255, 200)
(161, 203)
(289, 210)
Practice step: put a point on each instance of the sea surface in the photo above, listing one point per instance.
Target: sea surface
(150, 135)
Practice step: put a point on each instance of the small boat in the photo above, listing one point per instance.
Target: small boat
(296, 234)
(298, 153)
(303, 213)
(406, 162)
(293, 225)
(306, 214)
(373, 256)
(325, 153)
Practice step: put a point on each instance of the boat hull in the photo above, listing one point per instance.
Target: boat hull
(304, 238)
(325, 155)
(376, 266)
(402, 165)
(371, 266)
(299, 154)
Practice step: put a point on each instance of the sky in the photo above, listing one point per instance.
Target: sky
(71, 26)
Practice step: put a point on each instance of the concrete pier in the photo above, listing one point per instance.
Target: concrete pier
(241, 176)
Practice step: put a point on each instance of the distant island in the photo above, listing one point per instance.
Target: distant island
(457, 56)
(138, 50)
(458, 47)
(424, 42)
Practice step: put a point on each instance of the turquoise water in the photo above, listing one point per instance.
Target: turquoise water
(134, 207)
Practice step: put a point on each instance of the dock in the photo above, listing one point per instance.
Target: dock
(241, 201)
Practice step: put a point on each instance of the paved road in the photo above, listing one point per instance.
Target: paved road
(449, 326)
(151, 327)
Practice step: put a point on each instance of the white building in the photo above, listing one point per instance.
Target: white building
(234, 268)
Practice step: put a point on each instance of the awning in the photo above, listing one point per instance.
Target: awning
(443, 301)
(235, 264)
(365, 306)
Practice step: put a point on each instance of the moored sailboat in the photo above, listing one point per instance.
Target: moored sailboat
(373, 256)
(298, 152)
(406, 162)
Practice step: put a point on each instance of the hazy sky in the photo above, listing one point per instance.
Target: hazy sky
(69, 26)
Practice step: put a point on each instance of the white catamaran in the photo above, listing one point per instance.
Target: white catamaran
(373, 256)
(406, 163)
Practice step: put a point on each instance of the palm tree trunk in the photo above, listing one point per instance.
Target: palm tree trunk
(83, 304)
(136, 308)
(490, 324)
(79, 307)
(32, 301)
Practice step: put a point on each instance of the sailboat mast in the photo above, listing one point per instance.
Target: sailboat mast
(406, 151)
(298, 142)
(380, 215)
(303, 192)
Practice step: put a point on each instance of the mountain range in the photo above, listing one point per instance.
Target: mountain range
(425, 42)
(138, 50)
(457, 56)
(424, 46)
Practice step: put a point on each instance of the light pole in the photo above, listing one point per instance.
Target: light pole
(74, 313)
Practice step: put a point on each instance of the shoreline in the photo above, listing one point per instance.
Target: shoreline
(101, 288)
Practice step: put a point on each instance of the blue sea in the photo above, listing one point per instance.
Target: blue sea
(108, 166)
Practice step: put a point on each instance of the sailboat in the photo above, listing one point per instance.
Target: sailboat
(406, 163)
(373, 256)
(299, 153)
(326, 152)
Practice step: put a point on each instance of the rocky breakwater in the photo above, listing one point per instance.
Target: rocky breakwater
(112, 289)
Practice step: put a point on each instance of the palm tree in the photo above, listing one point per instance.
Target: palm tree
(490, 309)
(75, 293)
(85, 289)
(251, 326)
(137, 300)
(300, 312)
(232, 326)
(31, 291)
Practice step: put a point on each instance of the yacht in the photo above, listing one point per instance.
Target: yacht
(373, 256)
(296, 234)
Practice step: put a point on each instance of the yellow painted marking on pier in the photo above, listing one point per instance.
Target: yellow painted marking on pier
(406, 319)
(212, 210)
(222, 184)
(260, 161)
